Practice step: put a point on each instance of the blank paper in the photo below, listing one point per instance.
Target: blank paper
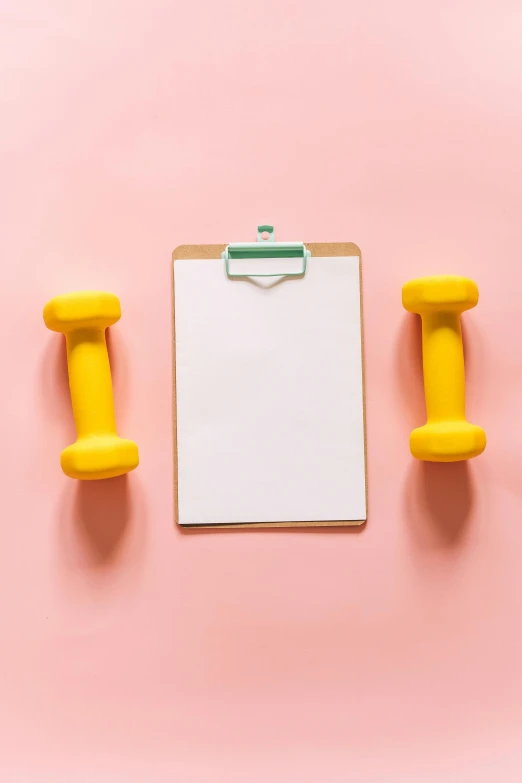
(269, 395)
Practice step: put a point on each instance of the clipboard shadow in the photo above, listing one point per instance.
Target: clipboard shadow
(293, 527)
(265, 282)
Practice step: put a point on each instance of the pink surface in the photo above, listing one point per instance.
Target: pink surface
(131, 651)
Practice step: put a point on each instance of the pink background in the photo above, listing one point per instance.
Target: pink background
(131, 651)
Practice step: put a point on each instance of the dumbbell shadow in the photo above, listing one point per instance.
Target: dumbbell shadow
(439, 500)
(101, 530)
(438, 496)
(55, 396)
(409, 363)
(101, 519)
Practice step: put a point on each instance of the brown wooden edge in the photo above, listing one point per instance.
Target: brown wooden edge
(321, 249)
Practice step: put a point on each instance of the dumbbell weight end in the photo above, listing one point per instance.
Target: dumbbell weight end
(447, 441)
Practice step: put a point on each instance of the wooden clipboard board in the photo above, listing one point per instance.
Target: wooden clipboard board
(320, 249)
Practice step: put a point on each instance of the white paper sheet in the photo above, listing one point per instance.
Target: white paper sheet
(270, 424)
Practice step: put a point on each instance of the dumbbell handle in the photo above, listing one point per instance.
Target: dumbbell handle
(443, 362)
(90, 382)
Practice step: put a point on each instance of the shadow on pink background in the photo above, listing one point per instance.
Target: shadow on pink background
(438, 497)
(132, 651)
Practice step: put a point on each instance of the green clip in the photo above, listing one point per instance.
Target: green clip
(257, 249)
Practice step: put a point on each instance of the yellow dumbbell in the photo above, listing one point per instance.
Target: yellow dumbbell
(98, 452)
(447, 436)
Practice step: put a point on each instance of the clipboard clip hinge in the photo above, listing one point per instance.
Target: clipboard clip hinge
(266, 247)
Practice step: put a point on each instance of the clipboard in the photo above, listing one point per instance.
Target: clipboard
(211, 468)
